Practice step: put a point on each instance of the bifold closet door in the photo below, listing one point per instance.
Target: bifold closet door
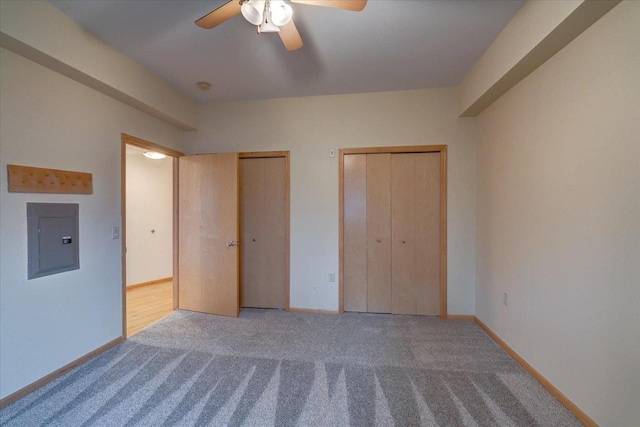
(403, 229)
(415, 225)
(379, 233)
(355, 232)
(263, 232)
(428, 234)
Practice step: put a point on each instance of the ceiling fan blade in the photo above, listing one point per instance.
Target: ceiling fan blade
(290, 36)
(218, 16)
(354, 5)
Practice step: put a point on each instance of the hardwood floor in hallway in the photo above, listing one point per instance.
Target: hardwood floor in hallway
(147, 305)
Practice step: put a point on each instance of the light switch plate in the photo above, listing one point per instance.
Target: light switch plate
(115, 233)
(332, 152)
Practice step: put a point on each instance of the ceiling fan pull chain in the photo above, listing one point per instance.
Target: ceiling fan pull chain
(267, 11)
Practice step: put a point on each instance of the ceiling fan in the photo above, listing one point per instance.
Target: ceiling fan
(271, 16)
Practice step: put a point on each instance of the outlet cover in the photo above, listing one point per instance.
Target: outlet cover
(332, 277)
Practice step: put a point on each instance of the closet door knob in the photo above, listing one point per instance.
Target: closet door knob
(403, 241)
(379, 240)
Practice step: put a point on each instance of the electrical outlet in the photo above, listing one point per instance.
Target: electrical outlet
(332, 277)
(115, 233)
(505, 298)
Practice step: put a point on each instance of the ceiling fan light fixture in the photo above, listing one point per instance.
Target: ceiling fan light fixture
(268, 27)
(281, 13)
(253, 10)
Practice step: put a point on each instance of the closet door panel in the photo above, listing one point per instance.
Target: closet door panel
(274, 232)
(263, 232)
(252, 262)
(403, 232)
(379, 233)
(428, 233)
(355, 232)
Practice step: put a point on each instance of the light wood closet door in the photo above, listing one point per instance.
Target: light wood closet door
(392, 233)
(403, 230)
(208, 221)
(415, 218)
(251, 202)
(263, 232)
(428, 233)
(355, 232)
(379, 233)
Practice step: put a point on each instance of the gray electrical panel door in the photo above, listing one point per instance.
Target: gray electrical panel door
(52, 230)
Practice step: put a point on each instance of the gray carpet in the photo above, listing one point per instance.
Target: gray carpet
(270, 368)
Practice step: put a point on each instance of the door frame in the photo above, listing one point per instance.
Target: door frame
(141, 143)
(262, 155)
(442, 149)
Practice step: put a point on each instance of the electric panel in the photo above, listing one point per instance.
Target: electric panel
(52, 237)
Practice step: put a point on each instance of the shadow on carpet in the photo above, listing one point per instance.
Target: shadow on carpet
(272, 368)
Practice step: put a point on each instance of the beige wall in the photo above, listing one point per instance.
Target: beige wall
(558, 215)
(39, 31)
(558, 219)
(51, 121)
(533, 22)
(149, 207)
(308, 127)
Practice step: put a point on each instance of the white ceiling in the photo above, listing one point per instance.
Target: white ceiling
(390, 45)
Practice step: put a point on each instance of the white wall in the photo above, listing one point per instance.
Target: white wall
(558, 222)
(308, 127)
(149, 207)
(51, 121)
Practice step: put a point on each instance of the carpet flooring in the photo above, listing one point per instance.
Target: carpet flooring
(270, 367)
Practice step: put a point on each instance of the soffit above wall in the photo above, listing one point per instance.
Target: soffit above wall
(39, 32)
(538, 31)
